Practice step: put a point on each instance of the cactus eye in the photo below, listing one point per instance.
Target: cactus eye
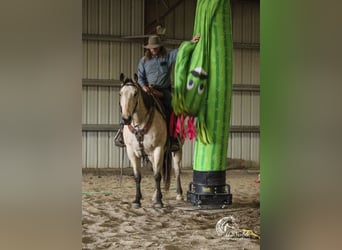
(200, 88)
(190, 84)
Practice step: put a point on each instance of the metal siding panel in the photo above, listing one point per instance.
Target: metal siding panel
(255, 23)
(114, 114)
(255, 147)
(237, 22)
(85, 59)
(237, 66)
(92, 149)
(104, 16)
(125, 65)
(84, 104)
(137, 53)
(236, 145)
(255, 71)
(92, 103)
(187, 157)
(93, 16)
(103, 105)
(236, 109)
(126, 17)
(246, 109)
(112, 105)
(84, 16)
(104, 59)
(246, 60)
(103, 150)
(84, 149)
(255, 109)
(137, 17)
(246, 23)
(92, 60)
(245, 146)
(115, 55)
(229, 149)
(115, 22)
(112, 151)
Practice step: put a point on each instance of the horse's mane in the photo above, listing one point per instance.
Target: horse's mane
(147, 99)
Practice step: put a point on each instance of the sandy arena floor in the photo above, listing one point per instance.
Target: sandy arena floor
(109, 222)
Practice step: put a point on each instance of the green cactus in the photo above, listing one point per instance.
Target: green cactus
(203, 83)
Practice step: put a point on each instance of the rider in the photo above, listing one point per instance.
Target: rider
(154, 71)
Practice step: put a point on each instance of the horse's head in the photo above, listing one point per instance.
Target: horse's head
(129, 98)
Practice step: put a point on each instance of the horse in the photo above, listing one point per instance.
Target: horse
(145, 135)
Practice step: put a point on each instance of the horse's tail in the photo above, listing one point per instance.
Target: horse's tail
(167, 166)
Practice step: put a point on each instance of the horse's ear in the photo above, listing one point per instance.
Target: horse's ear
(122, 77)
(135, 78)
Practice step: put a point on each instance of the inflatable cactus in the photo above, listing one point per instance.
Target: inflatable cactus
(203, 83)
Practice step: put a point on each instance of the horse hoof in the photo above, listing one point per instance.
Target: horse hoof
(136, 205)
(179, 197)
(158, 205)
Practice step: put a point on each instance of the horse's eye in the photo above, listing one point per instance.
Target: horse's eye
(200, 88)
(135, 93)
(190, 84)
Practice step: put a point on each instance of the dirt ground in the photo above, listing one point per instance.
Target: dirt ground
(109, 222)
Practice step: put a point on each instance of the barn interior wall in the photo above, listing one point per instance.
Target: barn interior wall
(106, 56)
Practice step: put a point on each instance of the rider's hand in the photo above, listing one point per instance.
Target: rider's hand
(146, 89)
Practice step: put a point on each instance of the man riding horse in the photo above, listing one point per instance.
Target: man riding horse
(154, 74)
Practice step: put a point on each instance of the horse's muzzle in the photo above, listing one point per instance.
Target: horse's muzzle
(127, 120)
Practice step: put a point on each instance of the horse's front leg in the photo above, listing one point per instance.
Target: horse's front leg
(177, 159)
(136, 163)
(157, 161)
(157, 203)
(136, 203)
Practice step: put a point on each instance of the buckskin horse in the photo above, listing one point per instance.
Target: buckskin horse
(145, 136)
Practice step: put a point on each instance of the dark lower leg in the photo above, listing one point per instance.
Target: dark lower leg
(159, 195)
(138, 195)
(179, 186)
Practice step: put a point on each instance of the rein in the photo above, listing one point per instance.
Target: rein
(139, 133)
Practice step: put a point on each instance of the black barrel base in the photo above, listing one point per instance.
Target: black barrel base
(209, 197)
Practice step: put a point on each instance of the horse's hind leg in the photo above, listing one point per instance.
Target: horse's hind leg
(177, 158)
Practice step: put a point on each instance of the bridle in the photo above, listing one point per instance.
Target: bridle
(139, 132)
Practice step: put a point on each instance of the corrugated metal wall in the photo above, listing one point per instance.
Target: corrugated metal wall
(106, 60)
(106, 55)
(246, 68)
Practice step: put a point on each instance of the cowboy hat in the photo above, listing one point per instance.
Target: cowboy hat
(153, 42)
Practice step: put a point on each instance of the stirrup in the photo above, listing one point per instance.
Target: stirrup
(118, 139)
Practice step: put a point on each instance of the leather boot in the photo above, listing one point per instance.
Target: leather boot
(174, 144)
